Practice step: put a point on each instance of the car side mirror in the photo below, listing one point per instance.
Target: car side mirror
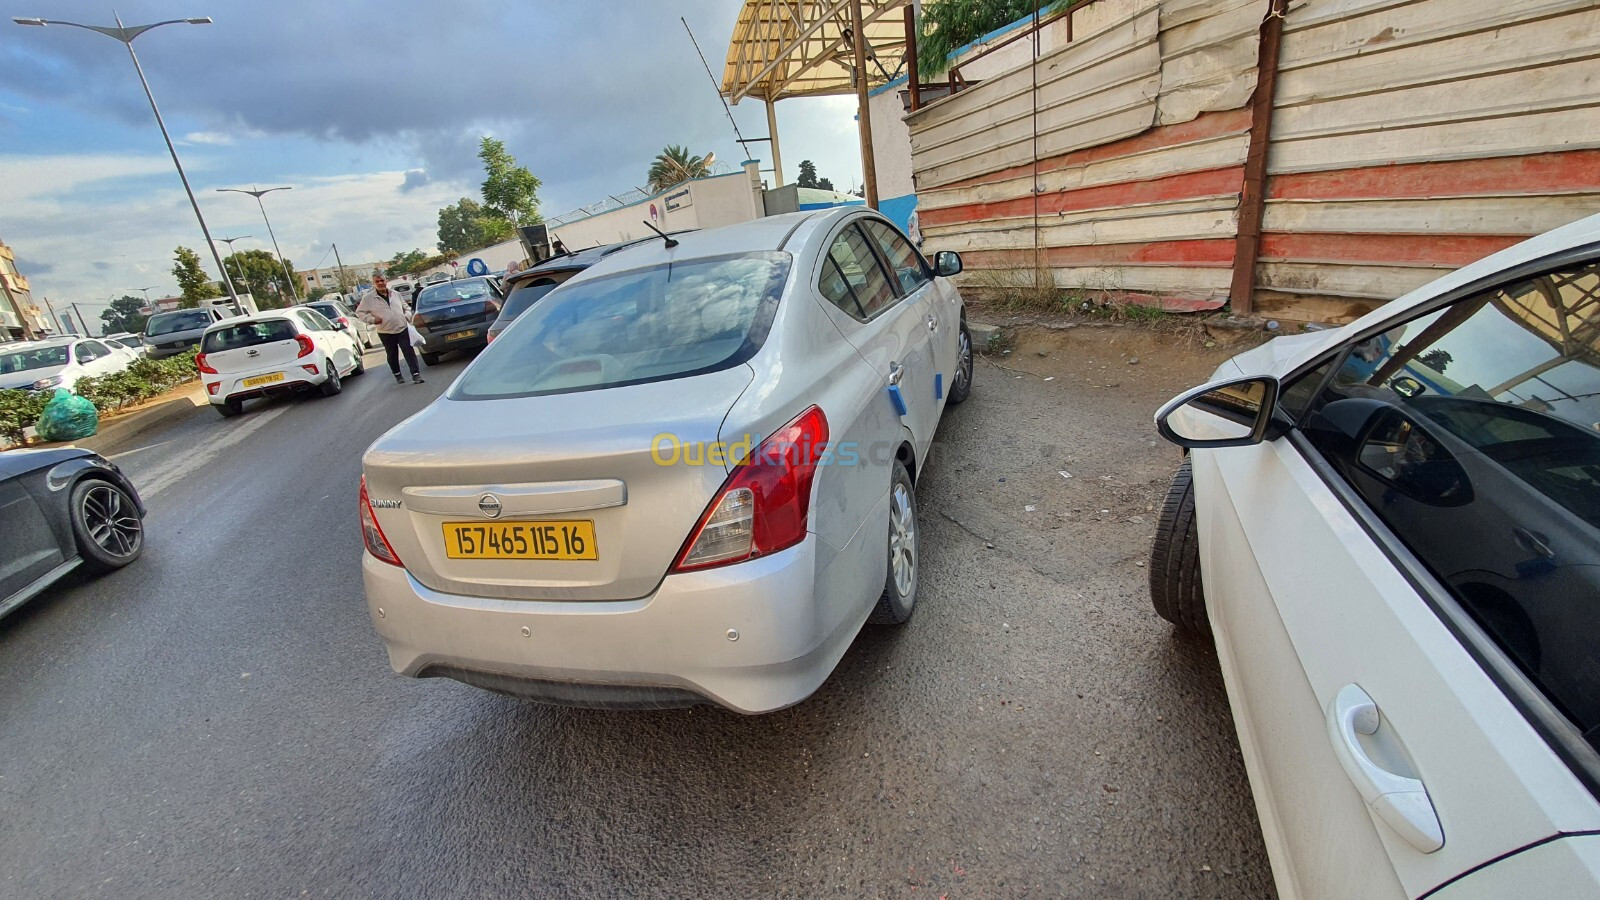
(1231, 413)
(1387, 444)
(340, 326)
(947, 263)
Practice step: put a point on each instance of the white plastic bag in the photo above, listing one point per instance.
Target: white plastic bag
(417, 340)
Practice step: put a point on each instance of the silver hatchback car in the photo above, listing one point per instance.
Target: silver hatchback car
(686, 475)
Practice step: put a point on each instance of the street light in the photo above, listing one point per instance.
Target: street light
(126, 36)
(236, 267)
(146, 291)
(258, 194)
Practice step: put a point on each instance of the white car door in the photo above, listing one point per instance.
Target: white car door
(1404, 594)
(334, 344)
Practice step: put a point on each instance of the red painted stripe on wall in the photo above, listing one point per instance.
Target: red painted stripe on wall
(1537, 174)
(1209, 252)
(1208, 125)
(1448, 249)
(1155, 190)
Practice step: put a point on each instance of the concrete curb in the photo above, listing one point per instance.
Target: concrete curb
(119, 431)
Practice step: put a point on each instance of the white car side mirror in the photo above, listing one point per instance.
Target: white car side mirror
(1231, 413)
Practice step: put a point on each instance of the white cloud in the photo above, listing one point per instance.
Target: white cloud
(213, 138)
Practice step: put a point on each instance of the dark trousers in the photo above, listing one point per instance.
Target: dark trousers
(394, 345)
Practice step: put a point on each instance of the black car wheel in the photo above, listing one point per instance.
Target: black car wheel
(899, 598)
(1175, 587)
(105, 525)
(431, 359)
(961, 384)
(229, 408)
(333, 385)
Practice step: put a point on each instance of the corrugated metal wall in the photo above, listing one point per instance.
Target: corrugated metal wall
(1409, 137)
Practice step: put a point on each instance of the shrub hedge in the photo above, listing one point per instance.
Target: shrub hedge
(144, 379)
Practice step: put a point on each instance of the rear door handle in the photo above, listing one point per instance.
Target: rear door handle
(896, 372)
(1399, 800)
(933, 322)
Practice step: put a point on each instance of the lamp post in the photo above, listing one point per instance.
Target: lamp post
(238, 269)
(293, 291)
(126, 35)
(146, 290)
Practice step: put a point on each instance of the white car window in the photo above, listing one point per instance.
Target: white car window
(904, 260)
(1474, 433)
(90, 350)
(853, 279)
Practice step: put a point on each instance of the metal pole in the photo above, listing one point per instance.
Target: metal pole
(912, 76)
(772, 134)
(235, 256)
(340, 263)
(869, 168)
(55, 321)
(181, 176)
(82, 322)
(293, 291)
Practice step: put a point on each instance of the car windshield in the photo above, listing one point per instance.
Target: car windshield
(171, 322)
(524, 295)
(666, 321)
(248, 334)
(452, 292)
(33, 358)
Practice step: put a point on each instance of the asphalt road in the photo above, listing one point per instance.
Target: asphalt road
(219, 720)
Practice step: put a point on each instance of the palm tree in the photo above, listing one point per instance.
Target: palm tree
(674, 165)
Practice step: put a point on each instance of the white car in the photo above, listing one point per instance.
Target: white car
(1392, 533)
(60, 362)
(275, 352)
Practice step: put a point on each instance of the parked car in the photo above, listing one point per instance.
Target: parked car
(134, 342)
(170, 333)
(277, 352)
(523, 289)
(63, 508)
(570, 522)
(455, 316)
(435, 278)
(60, 362)
(1392, 532)
(337, 312)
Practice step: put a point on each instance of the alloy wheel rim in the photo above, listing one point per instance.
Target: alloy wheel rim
(112, 522)
(903, 541)
(964, 363)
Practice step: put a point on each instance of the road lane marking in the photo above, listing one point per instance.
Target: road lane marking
(174, 469)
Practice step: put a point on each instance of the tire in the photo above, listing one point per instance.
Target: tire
(961, 382)
(899, 598)
(229, 408)
(105, 525)
(1176, 590)
(431, 359)
(361, 362)
(333, 384)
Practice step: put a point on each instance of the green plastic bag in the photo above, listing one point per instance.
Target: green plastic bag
(67, 417)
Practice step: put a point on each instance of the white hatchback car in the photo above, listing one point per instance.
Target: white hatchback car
(275, 352)
(685, 475)
(60, 362)
(1392, 532)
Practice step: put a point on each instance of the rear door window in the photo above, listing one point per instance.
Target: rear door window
(853, 278)
(1473, 432)
(248, 334)
(905, 262)
(666, 321)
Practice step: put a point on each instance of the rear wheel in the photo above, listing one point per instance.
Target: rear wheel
(228, 408)
(361, 363)
(1175, 587)
(333, 385)
(431, 359)
(105, 525)
(899, 598)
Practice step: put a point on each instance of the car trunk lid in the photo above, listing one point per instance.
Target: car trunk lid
(251, 346)
(500, 467)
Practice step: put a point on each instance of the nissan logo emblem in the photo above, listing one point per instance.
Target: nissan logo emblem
(489, 505)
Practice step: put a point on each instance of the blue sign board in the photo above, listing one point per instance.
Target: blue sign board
(476, 266)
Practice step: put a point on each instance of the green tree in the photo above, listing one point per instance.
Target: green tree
(674, 165)
(825, 184)
(808, 174)
(317, 293)
(124, 315)
(949, 25)
(468, 226)
(193, 283)
(406, 262)
(258, 273)
(510, 191)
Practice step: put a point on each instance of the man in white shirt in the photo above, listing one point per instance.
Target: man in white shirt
(385, 309)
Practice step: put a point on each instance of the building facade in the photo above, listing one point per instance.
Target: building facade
(327, 277)
(20, 317)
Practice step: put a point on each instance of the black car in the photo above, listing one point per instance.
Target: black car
(455, 315)
(525, 288)
(60, 509)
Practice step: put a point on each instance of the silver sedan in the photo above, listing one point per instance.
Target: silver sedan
(686, 475)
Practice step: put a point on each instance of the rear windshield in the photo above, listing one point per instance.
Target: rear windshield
(452, 292)
(666, 321)
(524, 295)
(183, 320)
(330, 310)
(33, 358)
(248, 334)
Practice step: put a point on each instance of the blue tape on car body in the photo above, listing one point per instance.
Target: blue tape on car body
(898, 401)
(938, 385)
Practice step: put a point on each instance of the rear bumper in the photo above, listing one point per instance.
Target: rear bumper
(437, 341)
(295, 378)
(669, 649)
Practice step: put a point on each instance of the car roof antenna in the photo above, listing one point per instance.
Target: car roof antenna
(664, 236)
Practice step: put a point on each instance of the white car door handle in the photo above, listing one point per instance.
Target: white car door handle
(896, 372)
(933, 323)
(1399, 800)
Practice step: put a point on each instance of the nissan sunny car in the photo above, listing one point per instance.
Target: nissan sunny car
(685, 475)
(1392, 533)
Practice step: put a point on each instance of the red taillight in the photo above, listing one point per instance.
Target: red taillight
(212, 387)
(372, 534)
(765, 505)
(306, 346)
(488, 337)
(200, 361)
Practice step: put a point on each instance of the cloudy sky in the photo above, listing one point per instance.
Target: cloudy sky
(370, 109)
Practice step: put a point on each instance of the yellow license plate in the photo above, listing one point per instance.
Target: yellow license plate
(458, 336)
(520, 540)
(263, 379)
